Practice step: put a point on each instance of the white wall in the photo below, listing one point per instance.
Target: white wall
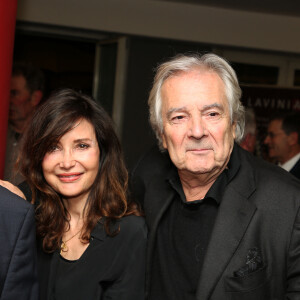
(169, 20)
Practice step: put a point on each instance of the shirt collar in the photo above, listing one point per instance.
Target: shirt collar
(290, 163)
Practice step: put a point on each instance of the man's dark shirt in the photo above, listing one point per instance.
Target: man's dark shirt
(183, 237)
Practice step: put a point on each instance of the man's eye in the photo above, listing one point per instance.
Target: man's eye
(176, 118)
(214, 115)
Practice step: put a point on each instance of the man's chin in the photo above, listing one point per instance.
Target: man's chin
(199, 170)
(272, 154)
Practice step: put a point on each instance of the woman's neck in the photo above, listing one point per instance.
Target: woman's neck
(75, 208)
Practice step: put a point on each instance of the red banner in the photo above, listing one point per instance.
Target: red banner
(8, 10)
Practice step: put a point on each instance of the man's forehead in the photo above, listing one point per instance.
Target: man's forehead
(275, 124)
(182, 90)
(197, 76)
(196, 72)
(203, 107)
(19, 79)
(18, 82)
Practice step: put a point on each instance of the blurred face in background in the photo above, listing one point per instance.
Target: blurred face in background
(22, 101)
(277, 141)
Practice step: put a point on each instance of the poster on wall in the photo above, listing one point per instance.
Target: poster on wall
(267, 102)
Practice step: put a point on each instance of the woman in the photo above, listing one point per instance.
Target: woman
(92, 240)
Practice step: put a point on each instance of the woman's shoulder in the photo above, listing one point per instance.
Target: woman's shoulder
(131, 226)
(126, 226)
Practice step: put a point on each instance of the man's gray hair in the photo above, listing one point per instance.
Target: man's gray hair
(186, 63)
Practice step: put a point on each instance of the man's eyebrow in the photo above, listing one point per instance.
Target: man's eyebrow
(184, 108)
(175, 109)
(213, 105)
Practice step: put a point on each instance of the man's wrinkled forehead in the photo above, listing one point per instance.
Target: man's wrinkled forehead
(197, 73)
(198, 70)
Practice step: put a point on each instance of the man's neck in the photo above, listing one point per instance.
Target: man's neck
(195, 186)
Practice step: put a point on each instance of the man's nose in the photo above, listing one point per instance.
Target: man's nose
(67, 160)
(197, 128)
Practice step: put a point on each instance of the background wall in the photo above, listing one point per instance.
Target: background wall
(186, 22)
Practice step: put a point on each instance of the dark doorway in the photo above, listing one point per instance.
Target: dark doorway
(66, 62)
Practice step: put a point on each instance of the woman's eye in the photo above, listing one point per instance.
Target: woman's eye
(53, 148)
(83, 146)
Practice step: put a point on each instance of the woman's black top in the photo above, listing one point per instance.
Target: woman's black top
(110, 268)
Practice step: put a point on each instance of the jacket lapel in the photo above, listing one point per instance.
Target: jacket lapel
(157, 200)
(235, 214)
(296, 169)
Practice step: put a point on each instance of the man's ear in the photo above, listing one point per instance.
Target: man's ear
(163, 139)
(36, 97)
(293, 138)
(233, 128)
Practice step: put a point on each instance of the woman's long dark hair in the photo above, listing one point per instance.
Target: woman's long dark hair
(108, 194)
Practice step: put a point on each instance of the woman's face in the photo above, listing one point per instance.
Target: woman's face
(71, 166)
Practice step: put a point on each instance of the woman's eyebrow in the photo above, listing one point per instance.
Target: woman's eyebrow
(83, 140)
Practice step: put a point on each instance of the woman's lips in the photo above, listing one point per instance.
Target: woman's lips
(69, 177)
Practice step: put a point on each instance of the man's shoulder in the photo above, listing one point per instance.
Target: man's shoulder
(268, 175)
(296, 169)
(153, 163)
(11, 202)
(153, 166)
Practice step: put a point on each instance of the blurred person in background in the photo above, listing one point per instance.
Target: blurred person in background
(26, 92)
(283, 141)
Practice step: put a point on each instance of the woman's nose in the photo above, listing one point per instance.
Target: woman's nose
(67, 160)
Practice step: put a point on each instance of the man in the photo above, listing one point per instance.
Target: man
(283, 140)
(248, 141)
(26, 92)
(223, 224)
(18, 271)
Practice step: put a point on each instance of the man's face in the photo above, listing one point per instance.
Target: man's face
(277, 141)
(197, 131)
(21, 103)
